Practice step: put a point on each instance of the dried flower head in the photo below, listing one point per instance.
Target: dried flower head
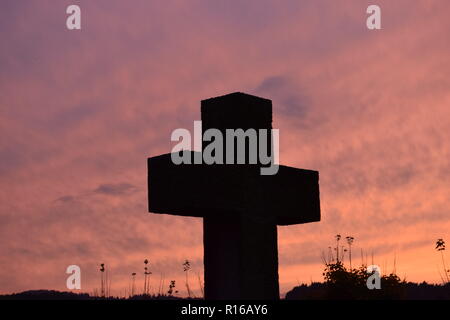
(440, 245)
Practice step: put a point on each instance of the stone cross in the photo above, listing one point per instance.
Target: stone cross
(240, 207)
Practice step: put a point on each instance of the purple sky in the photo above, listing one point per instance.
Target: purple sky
(80, 111)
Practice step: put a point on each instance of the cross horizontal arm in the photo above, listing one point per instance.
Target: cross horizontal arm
(292, 195)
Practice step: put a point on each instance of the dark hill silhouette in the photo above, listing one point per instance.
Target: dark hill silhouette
(411, 291)
(62, 295)
(313, 291)
(45, 295)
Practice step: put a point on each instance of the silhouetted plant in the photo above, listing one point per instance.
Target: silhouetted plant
(343, 251)
(133, 283)
(343, 283)
(338, 238)
(102, 280)
(171, 291)
(352, 284)
(186, 268)
(147, 274)
(440, 247)
(350, 242)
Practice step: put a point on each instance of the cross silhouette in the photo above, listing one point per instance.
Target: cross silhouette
(240, 207)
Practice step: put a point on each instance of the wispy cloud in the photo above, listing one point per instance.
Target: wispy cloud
(117, 189)
(81, 111)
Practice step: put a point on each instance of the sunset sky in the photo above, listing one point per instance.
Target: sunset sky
(80, 112)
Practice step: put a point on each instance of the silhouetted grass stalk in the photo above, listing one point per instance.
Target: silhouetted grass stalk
(133, 283)
(350, 242)
(102, 280)
(147, 274)
(440, 246)
(186, 268)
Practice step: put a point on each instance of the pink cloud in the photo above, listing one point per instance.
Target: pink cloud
(82, 111)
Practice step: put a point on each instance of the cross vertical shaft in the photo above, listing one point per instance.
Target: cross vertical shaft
(240, 258)
(240, 253)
